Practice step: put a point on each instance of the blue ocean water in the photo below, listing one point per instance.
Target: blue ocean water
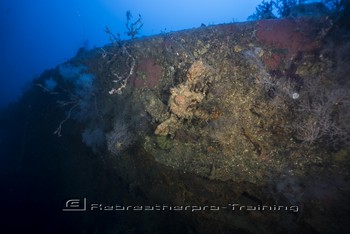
(111, 113)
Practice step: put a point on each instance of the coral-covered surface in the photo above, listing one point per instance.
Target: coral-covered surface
(242, 127)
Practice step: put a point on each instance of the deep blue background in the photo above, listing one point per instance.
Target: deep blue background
(39, 34)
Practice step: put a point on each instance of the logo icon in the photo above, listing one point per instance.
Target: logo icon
(75, 205)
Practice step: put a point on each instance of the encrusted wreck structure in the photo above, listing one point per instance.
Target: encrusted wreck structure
(250, 120)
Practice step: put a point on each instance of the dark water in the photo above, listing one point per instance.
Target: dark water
(41, 171)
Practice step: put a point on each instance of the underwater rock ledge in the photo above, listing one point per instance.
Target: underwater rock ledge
(254, 113)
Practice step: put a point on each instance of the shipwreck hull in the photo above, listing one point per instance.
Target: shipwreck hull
(220, 119)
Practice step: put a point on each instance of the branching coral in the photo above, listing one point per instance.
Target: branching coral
(133, 28)
(323, 113)
(123, 80)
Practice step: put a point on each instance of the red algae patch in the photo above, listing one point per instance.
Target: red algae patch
(148, 74)
(288, 38)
